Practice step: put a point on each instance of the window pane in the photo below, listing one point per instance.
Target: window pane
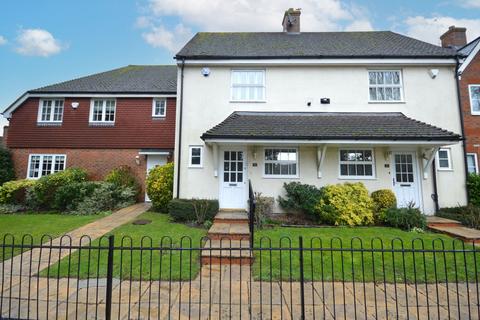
(46, 110)
(443, 163)
(396, 77)
(343, 169)
(380, 78)
(240, 177)
(351, 170)
(233, 177)
(110, 110)
(372, 78)
(368, 170)
(34, 167)
(443, 154)
(196, 152)
(47, 165)
(160, 107)
(97, 110)
(471, 163)
(226, 177)
(58, 111)
(59, 163)
(373, 94)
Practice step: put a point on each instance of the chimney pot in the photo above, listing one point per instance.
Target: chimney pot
(291, 20)
(455, 37)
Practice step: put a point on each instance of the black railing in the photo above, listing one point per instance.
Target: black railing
(251, 212)
(290, 278)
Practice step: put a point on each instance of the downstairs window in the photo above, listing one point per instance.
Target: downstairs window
(40, 165)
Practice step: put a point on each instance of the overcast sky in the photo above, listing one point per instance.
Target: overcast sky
(48, 41)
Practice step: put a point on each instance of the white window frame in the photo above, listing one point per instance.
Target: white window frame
(52, 111)
(190, 150)
(348, 177)
(154, 107)
(42, 156)
(104, 105)
(247, 70)
(475, 161)
(402, 96)
(449, 154)
(473, 112)
(280, 176)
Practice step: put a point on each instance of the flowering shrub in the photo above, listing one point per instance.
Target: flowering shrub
(160, 186)
(13, 192)
(345, 204)
(383, 200)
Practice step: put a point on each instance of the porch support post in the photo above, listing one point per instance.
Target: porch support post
(215, 159)
(427, 158)
(321, 151)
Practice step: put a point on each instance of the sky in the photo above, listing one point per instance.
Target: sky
(48, 41)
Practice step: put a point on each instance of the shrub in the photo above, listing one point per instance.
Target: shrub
(473, 189)
(43, 192)
(105, 197)
(160, 186)
(14, 192)
(6, 166)
(11, 208)
(188, 210)
(70, 195)
(405, 218)
(123, 176)
(383, 200)
(468, 215)
(300, 198)
(263, 208)
(345, 204)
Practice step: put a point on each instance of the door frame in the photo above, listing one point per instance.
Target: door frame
(416, 174)
(245, 173)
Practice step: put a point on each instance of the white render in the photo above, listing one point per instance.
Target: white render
(206, 103)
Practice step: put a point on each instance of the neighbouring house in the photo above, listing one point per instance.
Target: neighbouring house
(120, 117)
(469, 89)
(318, 108)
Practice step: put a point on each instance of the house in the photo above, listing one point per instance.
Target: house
(120, 117)
(318, 108)
(469, 89)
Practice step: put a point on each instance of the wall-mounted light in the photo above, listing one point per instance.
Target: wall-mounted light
(75, 105)
(137, 160)
(433, 73)
(205, 72)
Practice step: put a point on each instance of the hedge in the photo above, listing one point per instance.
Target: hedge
(183, 210)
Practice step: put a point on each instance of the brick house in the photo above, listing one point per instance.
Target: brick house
(99, 122)
(469, 90)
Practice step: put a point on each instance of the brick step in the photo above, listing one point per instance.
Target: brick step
(231, 217)
(227, 252)
(434, 221)
(465, 234)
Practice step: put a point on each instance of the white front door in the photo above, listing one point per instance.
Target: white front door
(233, 180)
(405, 179)
(152, 162)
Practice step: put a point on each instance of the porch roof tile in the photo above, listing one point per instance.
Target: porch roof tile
(384, 126)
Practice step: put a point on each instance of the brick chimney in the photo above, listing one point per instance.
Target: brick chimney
(291, 21)
(454, 37)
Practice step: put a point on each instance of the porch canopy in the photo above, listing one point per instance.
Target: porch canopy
(330, 128)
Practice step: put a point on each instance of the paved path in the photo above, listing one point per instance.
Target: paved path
(453, 228)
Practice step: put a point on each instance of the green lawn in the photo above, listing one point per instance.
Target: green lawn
(36, 225)
(389, 266)
(130, 264)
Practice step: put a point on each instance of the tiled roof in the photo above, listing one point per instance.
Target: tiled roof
(256, 45)
(131, 79)
(326, 126)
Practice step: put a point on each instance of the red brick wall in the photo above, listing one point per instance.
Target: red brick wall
(472, 122)
(134, 127)
(98, 162)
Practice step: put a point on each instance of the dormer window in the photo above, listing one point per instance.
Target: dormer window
(50, 111)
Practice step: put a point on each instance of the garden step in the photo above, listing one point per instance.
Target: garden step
(231, 217)
(233, 231)
(463, 233)
(227, 252)
(433, 221)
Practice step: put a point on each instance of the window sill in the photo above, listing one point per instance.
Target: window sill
(248, 101)
(195, 167)
(49, 124)
(101, 124)
(280, 177)
(475, 113)
(158, 117)
(386, 102)
(444, 170)
(356, 178)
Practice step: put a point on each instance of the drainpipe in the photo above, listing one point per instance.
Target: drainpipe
(435, 189)
(462, 123)
(180, 128)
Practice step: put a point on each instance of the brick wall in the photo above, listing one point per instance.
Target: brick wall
(98, 162)
(472, 122)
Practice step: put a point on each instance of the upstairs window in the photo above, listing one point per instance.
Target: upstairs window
(248, 85)
(385, 85)
(444, 159)
(475, 98)
(44, 164)
(102, 111)
(195, 156)
(50, 110)
(159, 108)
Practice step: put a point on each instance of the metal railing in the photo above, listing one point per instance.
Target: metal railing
(283, 278)
(251, 212)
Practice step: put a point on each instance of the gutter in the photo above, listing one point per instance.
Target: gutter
(180, 128)
(435, 188)
(462, 124)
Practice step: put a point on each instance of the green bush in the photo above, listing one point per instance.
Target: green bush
(345, 204)
(405, 218)
(193, 210)
(160, 186)
(468, 215)
(300, 198)
(263, 209)
(43, 192)
(473, 189)
(70, 195)
(123, 176)
(383, 200)
(6, 166)
(105, 197)
(11, 208)
(14, 192)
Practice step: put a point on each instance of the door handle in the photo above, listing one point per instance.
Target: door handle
(404, 185)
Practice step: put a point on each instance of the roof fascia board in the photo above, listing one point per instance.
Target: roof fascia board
(348, 61)
(469, 59)
(7, 113)
(344, 142)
